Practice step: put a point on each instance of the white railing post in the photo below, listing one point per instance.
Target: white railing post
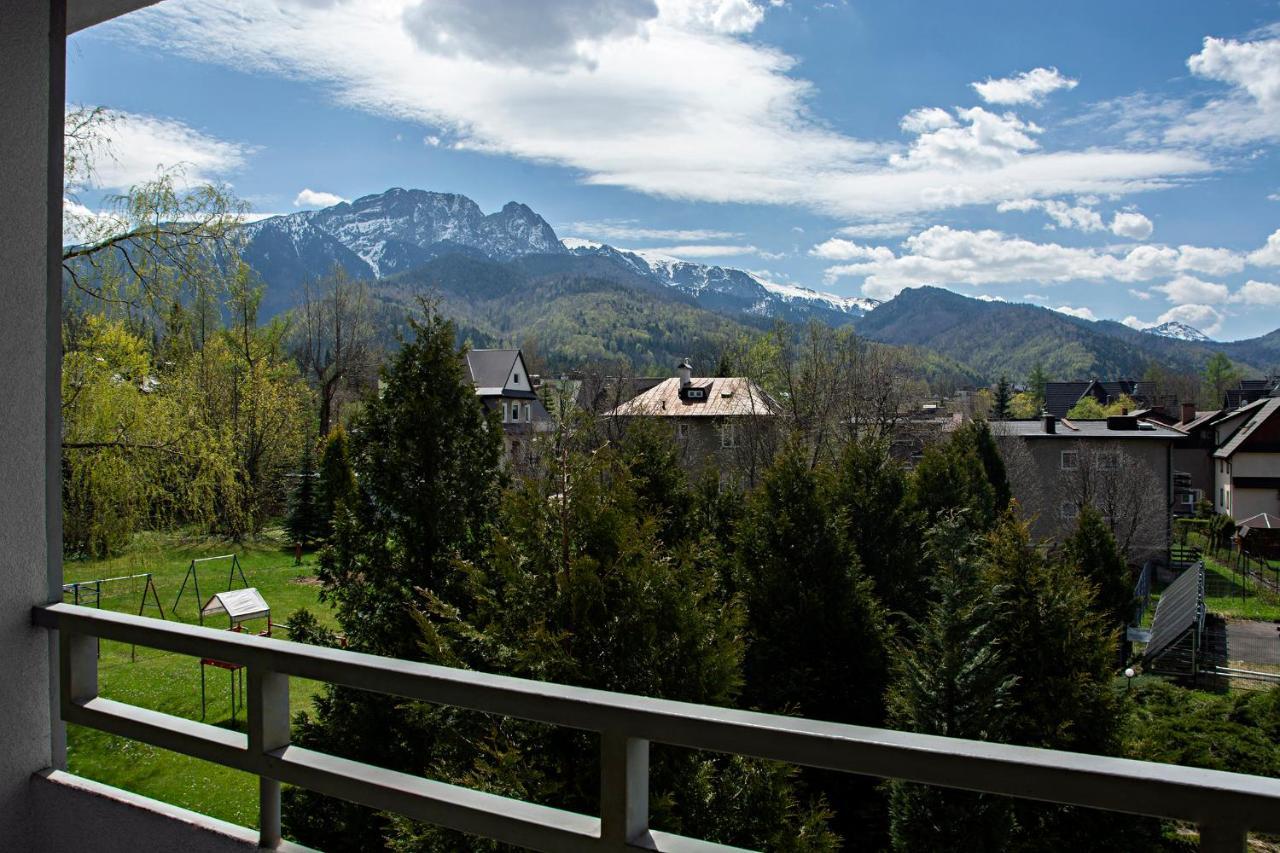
(1217, 838)
(624, 788)
(78, 659)
(268, 730)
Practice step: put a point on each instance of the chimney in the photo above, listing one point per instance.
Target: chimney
(1050, 424)
(685, 371)
(1188, 413)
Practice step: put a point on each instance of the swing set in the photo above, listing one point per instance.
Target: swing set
(84, 592)
(193, 576)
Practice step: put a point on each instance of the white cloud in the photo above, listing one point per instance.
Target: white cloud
(1063, 215)
(314, 198)
(1186, 288)
(987, 140)
(1203, 317)
(700, 251)
(1082, 313)
(1250, 111)
(1131, 224)
(879, 230)
(836, 249)
(1140, 294)
(629, 229)
(945, 255)
(1268, 255)
(1257, 293)
(431, 140)
(140, 146)
(1209, 261)
(926, 119)
(1029, 87)
(1134, 323)
(680, 105)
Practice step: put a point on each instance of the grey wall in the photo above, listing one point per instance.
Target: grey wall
(31, 65)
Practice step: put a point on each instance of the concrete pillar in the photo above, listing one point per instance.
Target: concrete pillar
(32, 67)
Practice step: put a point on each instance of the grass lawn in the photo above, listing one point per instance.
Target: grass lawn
(171, 683)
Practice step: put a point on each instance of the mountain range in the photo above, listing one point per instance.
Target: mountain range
(507, 278)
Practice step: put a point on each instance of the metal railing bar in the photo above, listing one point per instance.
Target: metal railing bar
(439, 803)
(166, 731)
(1114, 784)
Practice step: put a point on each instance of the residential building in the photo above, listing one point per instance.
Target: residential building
(1249, 391)
(1122, 466)
(727, 422)
(503, 384)
(1246, 463)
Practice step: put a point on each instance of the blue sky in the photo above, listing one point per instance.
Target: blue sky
(1116, 160)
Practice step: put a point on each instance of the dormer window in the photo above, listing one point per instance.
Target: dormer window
(695, 393)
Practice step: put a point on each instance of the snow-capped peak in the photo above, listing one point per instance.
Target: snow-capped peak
(1178, 331)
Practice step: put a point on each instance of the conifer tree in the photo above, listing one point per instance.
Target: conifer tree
(305, 523)
(1000, 405)
(1036, 383)
(1093, 551)
(962, 473)
(951, 680)
(337, 481)
(882, 524)
(817, 631)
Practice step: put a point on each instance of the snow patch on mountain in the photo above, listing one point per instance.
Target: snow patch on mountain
(1179, 331)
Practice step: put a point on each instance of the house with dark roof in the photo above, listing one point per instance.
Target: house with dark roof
(720, 421)
(1061, 397)
(503, 384)
(1247, 460)
(1250, 391)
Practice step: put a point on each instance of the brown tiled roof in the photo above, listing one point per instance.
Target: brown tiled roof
(733, 396)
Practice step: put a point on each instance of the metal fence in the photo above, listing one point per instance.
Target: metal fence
(1226, 806)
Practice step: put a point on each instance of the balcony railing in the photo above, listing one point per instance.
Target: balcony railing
(1225, 806)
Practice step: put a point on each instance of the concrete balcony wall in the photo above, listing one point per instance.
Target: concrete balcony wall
(31, 66)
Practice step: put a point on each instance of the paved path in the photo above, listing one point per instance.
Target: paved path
(1253, 642)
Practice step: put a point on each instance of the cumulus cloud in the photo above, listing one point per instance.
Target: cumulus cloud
(139, 146)
(1131, 224)
(837, 249)
(1029, 87)
(1186, 288)
(1134, 323)
(1082, 313)
(1139, 294)
(945, 255)
(986, 140)
(1206, 318)
(1268, 255)
(629, 229)
(1062, 215)
(1250, 111)
(679, 105)
(1257, 293)
(926, 119)
(314, 198)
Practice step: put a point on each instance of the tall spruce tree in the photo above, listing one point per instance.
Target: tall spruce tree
(963, 473)
(337, 481)
(881, 524)
(1000, 404)
(1092, 550)
(305, 522)
(427, 468)
(951, 679)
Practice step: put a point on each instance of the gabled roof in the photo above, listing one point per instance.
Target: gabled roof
(734, 396)
(1200, 420)
(489, 370)
(1264, 410)
(1059, 397)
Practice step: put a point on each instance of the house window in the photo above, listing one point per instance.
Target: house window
(695, 393)
(727, 437)
(517, 378)
(1066, 509)
(506, 411)
(528, 413)
(1109, 461)
(1070, 460)
(682, 431)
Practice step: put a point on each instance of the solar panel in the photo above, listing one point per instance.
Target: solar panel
(1178, 610)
